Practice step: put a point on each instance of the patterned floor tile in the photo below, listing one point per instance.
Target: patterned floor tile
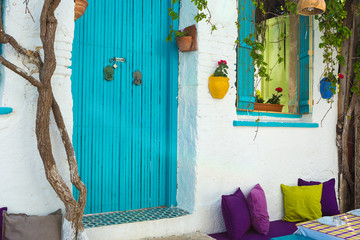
(114, 218)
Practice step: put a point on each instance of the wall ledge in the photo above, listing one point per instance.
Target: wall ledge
(237, 123)
(5, 110)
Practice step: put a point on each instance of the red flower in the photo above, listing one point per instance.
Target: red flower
(279, 89)
(341, 76)
(222, 61)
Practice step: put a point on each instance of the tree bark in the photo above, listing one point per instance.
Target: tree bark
(357, 157)
(46, 103)
(348, 118)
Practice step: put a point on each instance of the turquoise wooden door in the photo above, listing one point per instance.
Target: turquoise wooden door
(125, 134)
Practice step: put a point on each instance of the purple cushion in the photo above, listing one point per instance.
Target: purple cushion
(329, 204)
(277, 229)
(1, 219)
(236, 214)
(258, 210)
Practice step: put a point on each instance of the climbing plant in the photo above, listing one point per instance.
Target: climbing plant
(201, 5)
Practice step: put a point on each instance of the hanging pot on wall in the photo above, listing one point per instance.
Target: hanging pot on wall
(326, 89)
(311, 7)
(218, 86)
(80, 8)
(184, 43)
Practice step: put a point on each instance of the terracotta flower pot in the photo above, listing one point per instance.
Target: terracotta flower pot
(80, 8)
(184, 43)
(218, 86)
(268, 107)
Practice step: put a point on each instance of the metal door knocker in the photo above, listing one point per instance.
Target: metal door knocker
(138, 78)
(109, 73)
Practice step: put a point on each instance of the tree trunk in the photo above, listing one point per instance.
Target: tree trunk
(72, 227)
(348, 122)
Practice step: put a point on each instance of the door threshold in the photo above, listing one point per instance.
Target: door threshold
(132, 216)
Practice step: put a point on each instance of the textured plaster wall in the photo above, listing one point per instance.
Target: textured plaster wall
(24, 186)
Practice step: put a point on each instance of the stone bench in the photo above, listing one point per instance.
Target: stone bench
(278, 228)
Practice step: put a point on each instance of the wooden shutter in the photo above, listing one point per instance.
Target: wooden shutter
(245, 67)
(304, 60)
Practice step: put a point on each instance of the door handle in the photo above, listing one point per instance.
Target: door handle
(138, 78)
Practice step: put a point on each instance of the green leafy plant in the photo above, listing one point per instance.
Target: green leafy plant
(181, 33)
(275, 99)
(221, 70)
(331, 24)
(201, 5)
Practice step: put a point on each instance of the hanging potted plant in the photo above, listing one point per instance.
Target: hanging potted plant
(272, 104)
(80, 8)
(219, 82)
(311, 7)
(328, 85)
(183, 40)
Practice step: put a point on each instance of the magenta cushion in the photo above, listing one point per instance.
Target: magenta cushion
(1, 219)
(258, 210)
(236, 214)
(329, 204)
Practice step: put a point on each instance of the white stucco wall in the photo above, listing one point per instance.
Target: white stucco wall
(24, 186)
(214, 157)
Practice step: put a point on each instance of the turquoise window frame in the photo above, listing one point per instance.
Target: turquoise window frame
(245, 74)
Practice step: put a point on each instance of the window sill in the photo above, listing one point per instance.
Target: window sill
(267, 114)
(5, 110)
(273, 119)
(289, 124)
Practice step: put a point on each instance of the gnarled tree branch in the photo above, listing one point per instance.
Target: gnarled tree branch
(74, 172)
(32, 56)
(20, 71)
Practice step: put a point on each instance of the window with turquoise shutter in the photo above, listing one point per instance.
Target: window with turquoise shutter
(293, 75)
(245, 69)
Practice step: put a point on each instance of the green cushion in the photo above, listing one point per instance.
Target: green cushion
(302, 203)
(291, 237)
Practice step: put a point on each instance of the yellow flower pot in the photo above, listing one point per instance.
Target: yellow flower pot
(218, 86)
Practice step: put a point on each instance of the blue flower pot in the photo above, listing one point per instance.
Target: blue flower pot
(325, 89)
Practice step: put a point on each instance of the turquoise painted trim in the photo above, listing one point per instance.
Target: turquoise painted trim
(245, 68)
(274, 124)
(173, 116)
(267, 114)
(303, 65)
(5, 110)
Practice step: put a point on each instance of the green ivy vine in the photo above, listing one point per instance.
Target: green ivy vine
(201, 5)
(331, 24)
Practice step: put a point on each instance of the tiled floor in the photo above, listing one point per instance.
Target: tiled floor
(114, 218)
